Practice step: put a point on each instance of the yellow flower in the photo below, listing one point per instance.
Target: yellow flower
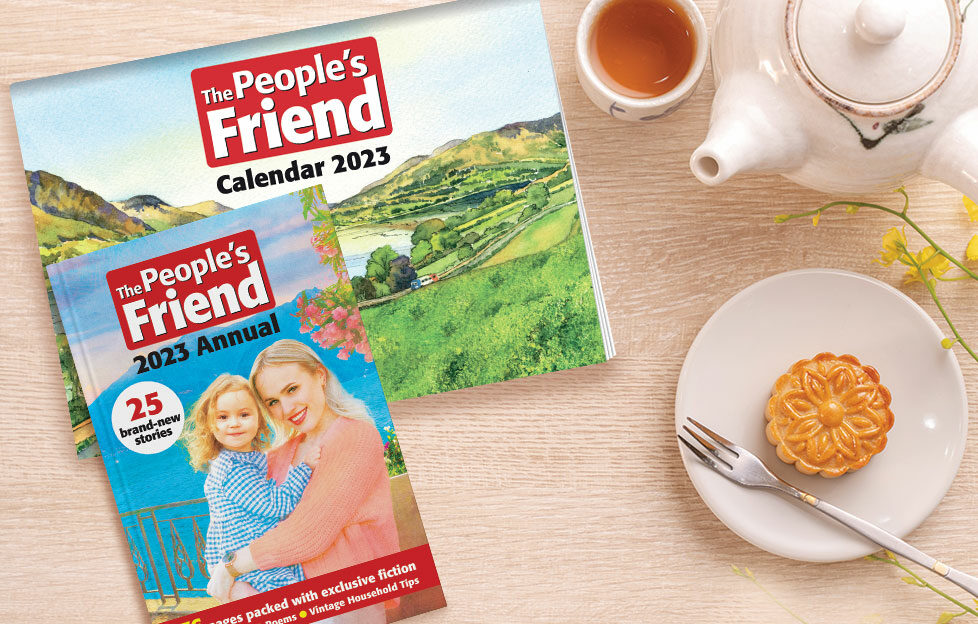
(894, 246)
(932, 264)
(971, 207)
(818, 215)
(852, 209)
(971, 253)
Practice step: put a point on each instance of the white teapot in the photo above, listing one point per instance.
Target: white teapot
(845, 96)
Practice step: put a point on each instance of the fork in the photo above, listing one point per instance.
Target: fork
(743, 467)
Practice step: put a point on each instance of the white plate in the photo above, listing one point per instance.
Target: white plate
(755, 337)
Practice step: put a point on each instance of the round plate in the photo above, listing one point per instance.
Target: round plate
(755, 337)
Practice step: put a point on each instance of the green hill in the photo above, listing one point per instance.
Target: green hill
(516, 153)
(161, 216)
(71, 220)
(56, 196)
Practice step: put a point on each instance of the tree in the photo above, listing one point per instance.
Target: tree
(363, 288)
(379, 264)
(402, 274)
(471, 238)
(449, 239)
(537, 195)
(421, 252)
(465, 252)
(425, 230)
(502, 198)
(528, 212)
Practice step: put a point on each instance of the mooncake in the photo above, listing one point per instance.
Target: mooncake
(829, 415)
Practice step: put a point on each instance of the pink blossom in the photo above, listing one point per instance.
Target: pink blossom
(339, 314)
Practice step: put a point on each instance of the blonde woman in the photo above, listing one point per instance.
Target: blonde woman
(345, 516)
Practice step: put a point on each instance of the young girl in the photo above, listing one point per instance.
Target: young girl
(228, 435)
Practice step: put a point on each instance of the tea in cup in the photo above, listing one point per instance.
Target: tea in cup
(640, 59)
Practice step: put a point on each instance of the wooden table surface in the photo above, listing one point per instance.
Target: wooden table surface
(560, 498)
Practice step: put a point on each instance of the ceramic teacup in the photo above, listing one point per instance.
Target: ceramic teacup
(629, 108)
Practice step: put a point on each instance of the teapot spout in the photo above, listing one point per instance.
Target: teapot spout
(751, 129)
(953, 158)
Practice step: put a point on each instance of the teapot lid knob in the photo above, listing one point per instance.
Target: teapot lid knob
(880, 21)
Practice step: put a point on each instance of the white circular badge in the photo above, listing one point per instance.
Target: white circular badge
(147, 417)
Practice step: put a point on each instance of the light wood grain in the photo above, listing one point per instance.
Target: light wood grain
(559, 498)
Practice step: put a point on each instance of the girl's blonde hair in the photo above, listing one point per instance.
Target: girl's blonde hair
(202, 446)
(288, 351)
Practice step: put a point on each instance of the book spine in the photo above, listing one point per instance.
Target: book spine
(82, 360)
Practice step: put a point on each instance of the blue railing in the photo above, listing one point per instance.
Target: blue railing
(158, 544)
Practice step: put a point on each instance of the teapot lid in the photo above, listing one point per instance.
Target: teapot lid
(876, 58)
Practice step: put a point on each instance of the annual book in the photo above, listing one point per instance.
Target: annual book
(256, 470)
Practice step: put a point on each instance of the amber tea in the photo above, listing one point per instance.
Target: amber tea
(642, 48)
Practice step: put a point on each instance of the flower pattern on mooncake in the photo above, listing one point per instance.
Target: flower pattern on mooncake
(829, 415)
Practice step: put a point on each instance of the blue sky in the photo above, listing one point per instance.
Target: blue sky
(283, 238)
(450, 71)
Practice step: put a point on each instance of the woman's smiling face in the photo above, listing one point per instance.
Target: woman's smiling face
(294, 395)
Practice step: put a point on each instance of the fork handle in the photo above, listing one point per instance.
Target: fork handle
(893, 543)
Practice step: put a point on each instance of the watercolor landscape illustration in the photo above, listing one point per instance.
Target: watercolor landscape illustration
(471, 261)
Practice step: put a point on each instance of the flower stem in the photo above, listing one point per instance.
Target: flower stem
(906, 257)
(924, 583)
(896, 213)
(750, 576)
(933, 295)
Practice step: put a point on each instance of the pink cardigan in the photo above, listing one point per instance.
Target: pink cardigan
(345, 516)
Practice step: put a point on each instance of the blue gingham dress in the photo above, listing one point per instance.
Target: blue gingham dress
(244, 505)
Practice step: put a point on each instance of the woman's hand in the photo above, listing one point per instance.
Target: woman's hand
(311, 455)
(220, 584)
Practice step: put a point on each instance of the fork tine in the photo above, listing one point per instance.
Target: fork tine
(719, 439)
(707, 445)
(709, 461)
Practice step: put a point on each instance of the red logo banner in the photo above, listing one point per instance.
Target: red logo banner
(291, 102)
(191, 289)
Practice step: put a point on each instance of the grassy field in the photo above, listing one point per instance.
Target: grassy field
(531, 315)
(440, 265)
(539, 236)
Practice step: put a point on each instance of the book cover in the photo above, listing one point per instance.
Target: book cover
(230, 385)
(437, 134)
